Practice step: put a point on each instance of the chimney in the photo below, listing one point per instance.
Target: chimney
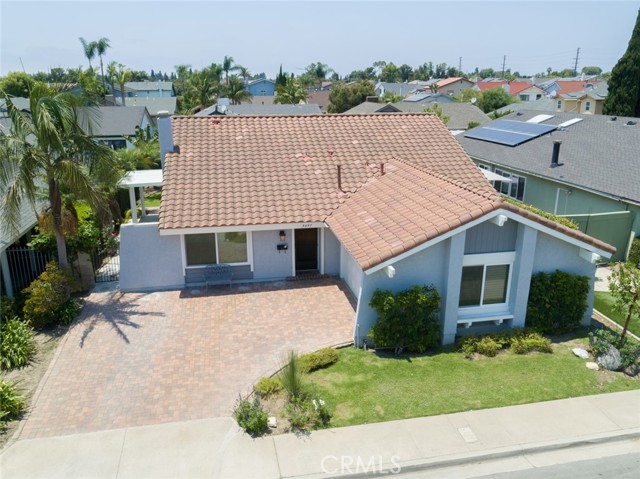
(165, 135)
(556, 154)
(372, 99)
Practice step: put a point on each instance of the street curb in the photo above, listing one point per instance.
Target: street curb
(489, 455)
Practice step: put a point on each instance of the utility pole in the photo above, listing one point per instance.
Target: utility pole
(575, 66)
(504, 62)
(460, 67)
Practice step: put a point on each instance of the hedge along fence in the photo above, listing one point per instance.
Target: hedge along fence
(557, 301)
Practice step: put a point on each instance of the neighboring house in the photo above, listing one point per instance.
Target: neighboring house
(153, 104)
(542, 105)
(146, 88)
(594, 180)
(564, 86)
(383, 201)
(262, 87)
(402, 89)
(453, 86)
(459, 114)
(589, 101)
(111, 125)
(522, 90)
(249, 109)
(320, 98)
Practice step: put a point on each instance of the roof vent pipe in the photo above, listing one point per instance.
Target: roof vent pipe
(556, 154)
(381, 168)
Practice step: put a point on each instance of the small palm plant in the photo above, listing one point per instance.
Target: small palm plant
(291, 377)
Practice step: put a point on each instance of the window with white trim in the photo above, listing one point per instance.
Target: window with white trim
(514, 188)
(486, 280)
(482, 166)
(214, 248)
(524, 97)
(587, 106)
(559, 104)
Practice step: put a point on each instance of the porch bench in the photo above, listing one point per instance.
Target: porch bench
(495, 318)
(217, 274)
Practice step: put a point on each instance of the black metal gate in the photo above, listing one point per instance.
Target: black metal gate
(106, 267)
(25, 265)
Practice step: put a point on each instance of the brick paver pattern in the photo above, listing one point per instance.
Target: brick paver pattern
(140, 359)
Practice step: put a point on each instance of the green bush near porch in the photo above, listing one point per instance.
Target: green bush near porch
(365, 387)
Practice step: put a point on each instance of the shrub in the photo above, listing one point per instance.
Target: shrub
(634, 252)
(408, 319)
(487, 346)
(557, 301)
(250, 415)
(602, 338)
(8, 309)
(17, 346)
(68, 311)
(268, 386)
(307, 412)
(318, 360)
(48, 294)
(11, 402)
(532, 342)
(468, 346)
(568, 222)
(291, 376)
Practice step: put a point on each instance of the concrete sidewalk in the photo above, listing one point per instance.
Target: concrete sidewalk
(216, 448)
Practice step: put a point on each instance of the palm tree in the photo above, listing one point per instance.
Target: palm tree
(89, 50)
(123, 75)
(244, 72)
(236, 92)
(227, 66)
(48, 148)
(101, 49)
(204, 87)
(183, 72)
(112, 73)
(292, 93)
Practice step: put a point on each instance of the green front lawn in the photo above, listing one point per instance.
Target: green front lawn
(153, 199)
(364, 387)
(603, 302)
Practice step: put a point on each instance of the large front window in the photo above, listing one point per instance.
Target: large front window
(485, 279)
(214, 248)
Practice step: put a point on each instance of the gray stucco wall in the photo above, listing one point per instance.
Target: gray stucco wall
(426, 267)
(147, 260)
(331, 253)
(552, 254)
(350, 271)
(490, 238)
(268, 262)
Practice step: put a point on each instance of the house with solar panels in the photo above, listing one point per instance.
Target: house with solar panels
(584, 167)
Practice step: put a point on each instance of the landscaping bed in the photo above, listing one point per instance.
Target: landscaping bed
(369, 386)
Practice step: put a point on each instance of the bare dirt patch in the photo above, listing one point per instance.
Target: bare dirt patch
(28, 378)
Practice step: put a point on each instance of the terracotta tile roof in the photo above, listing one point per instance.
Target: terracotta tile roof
(490, 85)
(448, 81)
(241, 171)
(404, 208)
(572, 86)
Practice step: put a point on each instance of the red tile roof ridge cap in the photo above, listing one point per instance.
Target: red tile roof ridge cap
(576, 234)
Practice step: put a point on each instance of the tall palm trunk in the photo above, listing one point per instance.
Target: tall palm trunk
(56, 209)
(102, 73)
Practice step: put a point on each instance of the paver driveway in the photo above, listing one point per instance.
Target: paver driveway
(139, 359)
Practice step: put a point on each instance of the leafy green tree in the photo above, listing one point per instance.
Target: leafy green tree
(16, 84)
(441, 70)
(90, 87)
(624, 285)
(624, 85)
(235, 91)
(390, 97)
(183, 73)
(281, 78)
(424, 72)
(390, 73)
(244, 73)
(491, 100)
(203, 89)
(49, 147)
(344, 97)
(406, 72)
(101, 50)
(89, 49)
(123, 75)
(292, 93)
(227, 66)
(435, 108)
(567, 73)
(112, 74)
(592, 70)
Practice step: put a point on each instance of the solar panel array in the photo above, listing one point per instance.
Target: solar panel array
(509, 132)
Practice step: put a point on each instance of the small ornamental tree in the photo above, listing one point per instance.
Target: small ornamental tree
(624, 285)
(408, 319)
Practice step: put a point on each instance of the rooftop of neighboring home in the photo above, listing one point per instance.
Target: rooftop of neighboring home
(320, 98)
(573, 86)
(543, 104)
(260, 80)
(345, 170)
(154, 104)
(447, 81)
(108, 121)
(249, 109)
(428, 97)
(402, 89)
(597, 91)
(147, 85)
(513, 87)
(460, 114)
(597, 152)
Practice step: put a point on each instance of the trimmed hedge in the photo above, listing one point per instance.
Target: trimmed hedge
(318, 360)
(518, 341)
(268, 386)
(557, 301)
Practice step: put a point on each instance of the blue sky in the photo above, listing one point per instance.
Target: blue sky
(346, 35)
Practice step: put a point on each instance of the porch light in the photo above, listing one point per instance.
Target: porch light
(283, 236)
